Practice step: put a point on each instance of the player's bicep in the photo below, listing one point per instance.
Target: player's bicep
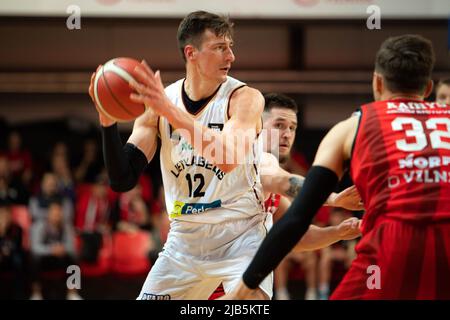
(246, 107)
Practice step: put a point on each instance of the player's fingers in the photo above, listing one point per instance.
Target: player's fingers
(140, 88)
(144, 78)
(137, 98)
(140, 98)
(158, 78)
(146, 67)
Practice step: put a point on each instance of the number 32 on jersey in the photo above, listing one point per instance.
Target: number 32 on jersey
(439, 139)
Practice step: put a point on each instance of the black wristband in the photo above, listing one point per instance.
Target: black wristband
(124, 164)
(285, 234)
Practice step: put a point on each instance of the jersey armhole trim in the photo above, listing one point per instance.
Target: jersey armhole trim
(227, 113)
(157, 127)
(355, 138)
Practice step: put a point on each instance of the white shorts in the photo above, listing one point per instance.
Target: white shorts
(198, 257)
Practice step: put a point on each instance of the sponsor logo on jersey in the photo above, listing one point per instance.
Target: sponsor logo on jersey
(417, 108)
(216, 126)
(181, 208)
(151, 296)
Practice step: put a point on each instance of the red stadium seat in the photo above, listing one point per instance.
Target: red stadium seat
(22, 217)
(130, 253)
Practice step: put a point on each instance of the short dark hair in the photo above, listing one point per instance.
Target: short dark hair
(405, 62)
(194, 25)
(278, 100)
(445, 81)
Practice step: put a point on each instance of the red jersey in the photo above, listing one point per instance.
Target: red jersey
(272, 203)
(401, 161)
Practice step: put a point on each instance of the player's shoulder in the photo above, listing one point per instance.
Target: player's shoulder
(248, 98)
(348, 123)
(246, 91)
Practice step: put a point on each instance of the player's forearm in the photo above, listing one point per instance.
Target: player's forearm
(290, 186)
(317, 238)
(285, 234)
(217, 148)
(124, 164)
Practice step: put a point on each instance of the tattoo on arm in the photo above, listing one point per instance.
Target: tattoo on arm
(295, 184)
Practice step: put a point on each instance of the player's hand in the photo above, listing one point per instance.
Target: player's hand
(349, 229)
(348, 199)
(105, 121)
(150, 89)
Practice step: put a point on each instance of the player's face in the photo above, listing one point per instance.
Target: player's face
(285, 121)
(215, 56)
(443, 94)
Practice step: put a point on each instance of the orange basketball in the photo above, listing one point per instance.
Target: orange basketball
(112, 91)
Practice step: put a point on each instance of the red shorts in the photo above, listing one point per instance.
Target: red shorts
(399, 260)
(217, 293)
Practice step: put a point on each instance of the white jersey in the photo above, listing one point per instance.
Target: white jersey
(196, 190)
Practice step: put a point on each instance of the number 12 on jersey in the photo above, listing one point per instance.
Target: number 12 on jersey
(198, 178)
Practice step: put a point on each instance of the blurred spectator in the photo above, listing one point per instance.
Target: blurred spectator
(90, 165)
(92, 218)
(443, 91)
(341, 252)
(134, 215)
(60, 167)
(11, 189)
(12, 253)
(49, 191)
(19, 158)
(308, 262)
(52, 248)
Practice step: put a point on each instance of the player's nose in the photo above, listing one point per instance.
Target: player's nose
(229, 57)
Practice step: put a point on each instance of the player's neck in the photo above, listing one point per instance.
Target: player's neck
(401, 96)
(197, 87)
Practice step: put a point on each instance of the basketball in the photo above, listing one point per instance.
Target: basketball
(112, 91)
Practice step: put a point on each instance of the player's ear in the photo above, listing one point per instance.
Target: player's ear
(189, 52)
(429, 88)
(377, 84)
